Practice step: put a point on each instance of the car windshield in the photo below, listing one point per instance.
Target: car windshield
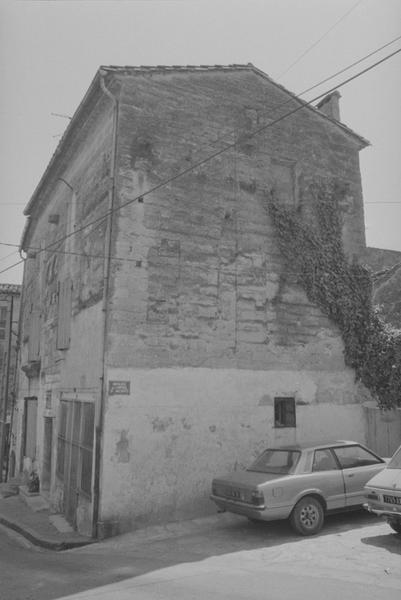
(395, 462)
(275, 461)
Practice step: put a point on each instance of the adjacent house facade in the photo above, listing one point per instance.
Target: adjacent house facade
(162, 338)
(9, 315)
(386, 274)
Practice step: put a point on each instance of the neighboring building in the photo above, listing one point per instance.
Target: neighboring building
(9, 315)
(163, 340)
(384, 427)
(386, 273)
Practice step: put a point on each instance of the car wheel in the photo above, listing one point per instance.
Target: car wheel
(395, 523)
(307, 516)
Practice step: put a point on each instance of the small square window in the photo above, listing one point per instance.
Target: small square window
(284, 412)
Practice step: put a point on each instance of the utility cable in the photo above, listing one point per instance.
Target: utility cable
(199, 163)
(357, 62)
(319, 40)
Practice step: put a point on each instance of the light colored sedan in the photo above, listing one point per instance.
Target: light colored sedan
(301, 482)
(383, 493)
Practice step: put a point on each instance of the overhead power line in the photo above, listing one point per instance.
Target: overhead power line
(142, 236)
(296, 61)
(211, 156)
(272, 109)
(357, 62)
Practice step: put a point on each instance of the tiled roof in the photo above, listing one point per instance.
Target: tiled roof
(168, 68)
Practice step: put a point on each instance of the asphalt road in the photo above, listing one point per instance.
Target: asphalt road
(356, 556)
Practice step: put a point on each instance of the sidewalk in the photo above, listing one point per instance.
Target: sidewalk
(31, 518)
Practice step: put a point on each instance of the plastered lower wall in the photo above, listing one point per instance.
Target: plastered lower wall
(178, 428)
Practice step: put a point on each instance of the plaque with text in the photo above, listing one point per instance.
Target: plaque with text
(119, 388)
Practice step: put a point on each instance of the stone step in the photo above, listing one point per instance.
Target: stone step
(34, 500)
(8, 489)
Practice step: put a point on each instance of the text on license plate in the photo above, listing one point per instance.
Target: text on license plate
(235, 494)
(392, 499)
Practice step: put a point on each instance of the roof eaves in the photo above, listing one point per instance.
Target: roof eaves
(61, 143)
(363, 141)
(10, 288)
(29, 207)
(180, 68)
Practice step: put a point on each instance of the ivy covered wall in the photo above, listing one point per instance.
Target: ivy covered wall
(311, 241)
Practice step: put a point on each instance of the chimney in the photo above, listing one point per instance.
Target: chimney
(330, 105)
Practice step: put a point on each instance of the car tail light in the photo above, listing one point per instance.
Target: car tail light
(257, 498)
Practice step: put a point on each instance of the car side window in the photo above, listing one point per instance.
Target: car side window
(323, 460)
(355, 456)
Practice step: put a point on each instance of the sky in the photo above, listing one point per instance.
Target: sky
(50, 51)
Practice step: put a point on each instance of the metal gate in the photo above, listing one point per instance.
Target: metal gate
(75, 453)
(383, 430)
(47, 453)
(29, 428)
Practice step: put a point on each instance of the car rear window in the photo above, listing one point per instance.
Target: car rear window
(395, 462)
(275, 461)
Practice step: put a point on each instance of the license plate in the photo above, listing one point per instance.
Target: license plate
(392, 499)
(235, 494)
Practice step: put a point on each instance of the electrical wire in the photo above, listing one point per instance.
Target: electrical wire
(212, 156)
(319, 40)
(220, 138)
(357, 62)
(11, 253)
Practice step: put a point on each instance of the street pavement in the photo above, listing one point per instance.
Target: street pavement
(361, 563)
(356, 556)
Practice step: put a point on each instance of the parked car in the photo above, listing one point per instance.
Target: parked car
(383, 493)
(301, 482)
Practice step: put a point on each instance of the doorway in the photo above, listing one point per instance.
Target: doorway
(30, 422)
(75, 453)
(47, 453)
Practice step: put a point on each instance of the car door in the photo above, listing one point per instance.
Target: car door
(328, 478)
(358, 465)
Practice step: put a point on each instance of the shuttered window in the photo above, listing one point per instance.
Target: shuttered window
(34, 335)
(64, 314)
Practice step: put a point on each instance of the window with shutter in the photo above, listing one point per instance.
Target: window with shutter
(34, 336)
(64, 314)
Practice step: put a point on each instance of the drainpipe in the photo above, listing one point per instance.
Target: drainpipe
(4, 438)
(14, 392)
(106, 287)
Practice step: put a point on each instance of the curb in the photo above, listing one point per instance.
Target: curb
(43, 542)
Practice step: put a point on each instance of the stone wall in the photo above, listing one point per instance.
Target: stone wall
(73, 194)
(205, 283)
(204, 319)
(206, 323)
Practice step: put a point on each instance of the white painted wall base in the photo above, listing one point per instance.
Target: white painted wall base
(178, 428)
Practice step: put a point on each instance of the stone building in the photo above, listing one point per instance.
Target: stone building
(162, 340)
(9, 315)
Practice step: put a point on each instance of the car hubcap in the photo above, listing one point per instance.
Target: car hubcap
(309, 516)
